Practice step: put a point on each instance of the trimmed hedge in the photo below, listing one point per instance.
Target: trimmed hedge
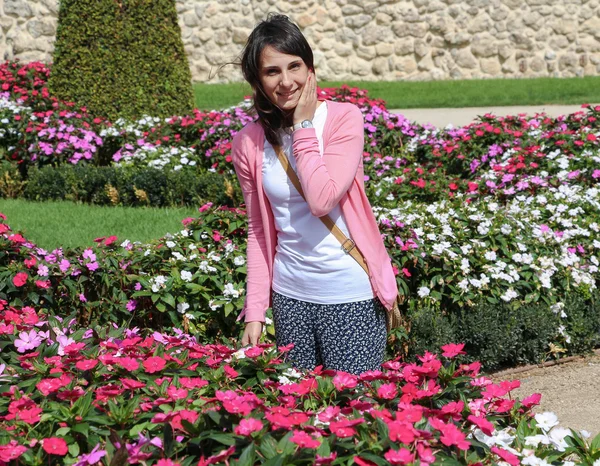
(119, 59)
(501, 335)
(129, 186)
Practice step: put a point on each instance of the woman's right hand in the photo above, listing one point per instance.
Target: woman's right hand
(252, 333)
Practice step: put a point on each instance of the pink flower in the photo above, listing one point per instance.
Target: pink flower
(532, 400)
(11, 451)
(387, 391)
(452, 350)
(401, 456)
(177, 393)
(27, 341)
(304, 440)
(154, 364)
(55, 446)
(205, 207)
(401, 431)
(20, 279)
(486, 426)
(248, 426)
(344, 380)
(166, 462)
(507, 456)
(596, 174)
(86, 364)
(131, 305)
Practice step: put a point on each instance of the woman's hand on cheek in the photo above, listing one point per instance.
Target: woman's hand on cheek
(307, 103)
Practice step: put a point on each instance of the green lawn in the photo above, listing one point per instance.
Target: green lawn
(433, 94)
(53, 224)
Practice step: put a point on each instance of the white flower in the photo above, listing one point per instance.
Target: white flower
(546, 420)
(213, 306)
(170, 244)
(490, 255)
(239, 260)
(423, 291)
(535, 440)
(182, 307)
(268, 321)
(190, 316)
(557, 437)
(186, 276)
(229, 290)
(509, 295)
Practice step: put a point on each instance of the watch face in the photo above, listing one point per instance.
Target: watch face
(307, 124)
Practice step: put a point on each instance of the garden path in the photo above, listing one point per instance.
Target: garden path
(441, 117)
(570, 390)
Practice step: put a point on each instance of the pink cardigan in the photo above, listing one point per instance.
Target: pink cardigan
(336, 178)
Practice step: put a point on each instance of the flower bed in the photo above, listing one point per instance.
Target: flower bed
(82, 395)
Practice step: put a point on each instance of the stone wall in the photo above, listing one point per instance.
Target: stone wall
(367, 39)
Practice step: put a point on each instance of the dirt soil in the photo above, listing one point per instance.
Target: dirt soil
(570, 390)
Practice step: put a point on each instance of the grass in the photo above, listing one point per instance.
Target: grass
(53, 224)
(434, 94)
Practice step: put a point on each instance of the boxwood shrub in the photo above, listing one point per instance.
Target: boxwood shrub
(130, 186)
(126, 57)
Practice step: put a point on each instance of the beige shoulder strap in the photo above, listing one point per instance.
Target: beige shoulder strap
(348, 244)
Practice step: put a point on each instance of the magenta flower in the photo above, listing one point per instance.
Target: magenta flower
(91, 458)
(27, 341)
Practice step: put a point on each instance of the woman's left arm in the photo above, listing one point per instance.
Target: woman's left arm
(326, 179)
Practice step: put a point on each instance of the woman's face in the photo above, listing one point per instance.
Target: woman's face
(282, 77)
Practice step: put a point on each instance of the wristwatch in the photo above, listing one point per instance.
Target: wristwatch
(302, 124)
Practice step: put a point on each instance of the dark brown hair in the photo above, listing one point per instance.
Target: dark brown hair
(284, 36)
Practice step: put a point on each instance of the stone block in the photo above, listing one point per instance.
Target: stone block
(338, 65)
(374, 34)
(384, 49)
(326, 44)
(404, 46)
(240, 36)
(383, 18)
(357, 21)
(349, 10)
(367, 53)
(591, 26)
(458, 38)
(360, 67)
(484, 45)
(381, 66)
(190, 19)
(305, 20)
(421, 48)
(426, 63)
(490, 66)
(18, 8)
(537, 64)
(567, 61)
(505, 51)
(465, 59)
(40, 28)
(344, 50)
(405, 64)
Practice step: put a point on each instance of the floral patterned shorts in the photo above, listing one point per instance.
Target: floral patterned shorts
(348, 337)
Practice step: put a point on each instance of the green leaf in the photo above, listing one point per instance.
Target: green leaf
(168, 439)
(374, 458)
(595, 445)
(247, 457)
(268, 447)
(62, 431)
(82, 428)
(225, 439)
(73, 449)
(169, 299)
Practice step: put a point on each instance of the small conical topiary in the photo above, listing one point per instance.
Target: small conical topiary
(121, 58)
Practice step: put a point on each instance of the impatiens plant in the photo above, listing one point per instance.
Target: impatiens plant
(105, 394)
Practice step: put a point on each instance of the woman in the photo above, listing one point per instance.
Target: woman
(323, 301)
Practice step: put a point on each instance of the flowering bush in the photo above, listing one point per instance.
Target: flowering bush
(83, 395)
